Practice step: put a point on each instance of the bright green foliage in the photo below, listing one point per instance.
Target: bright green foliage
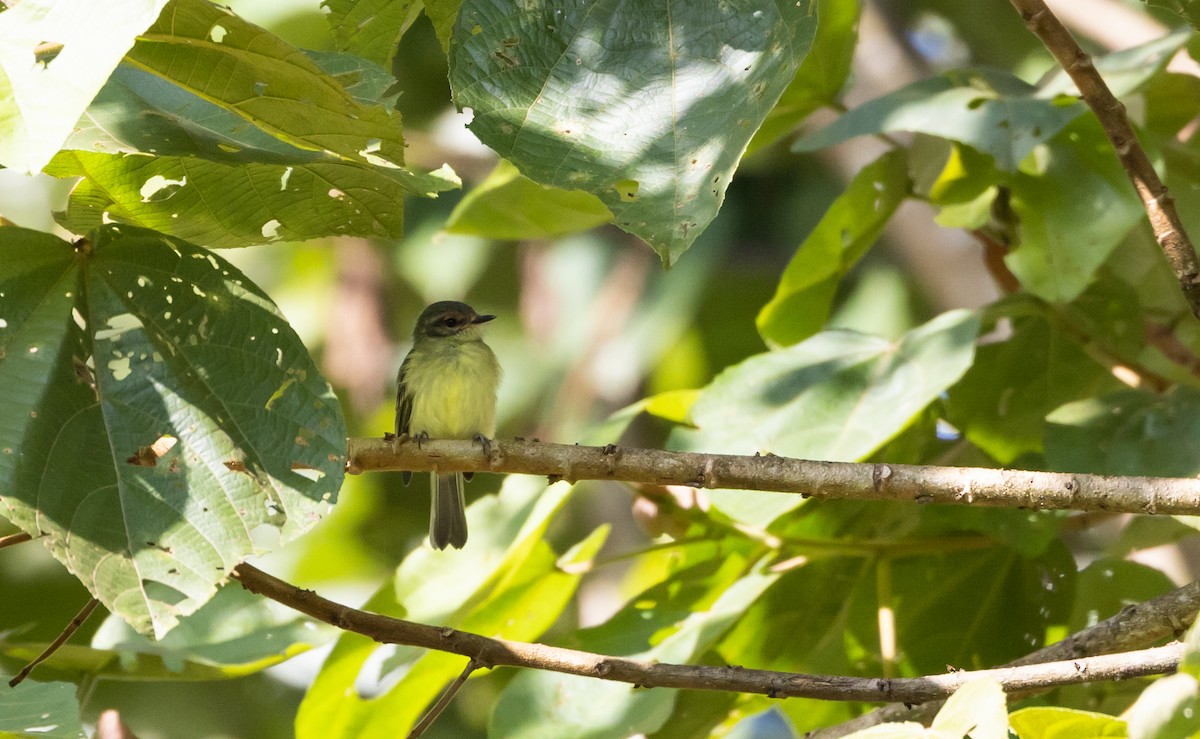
(371, 28)
(123, 345)
(851, 225)
(647, 108)
(55, 55)
(508, 584)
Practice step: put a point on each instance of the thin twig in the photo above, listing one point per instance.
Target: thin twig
(843, 480)
(13, 539)
(61, 639)
(1160, 206)
(444, 701)
(488, 652)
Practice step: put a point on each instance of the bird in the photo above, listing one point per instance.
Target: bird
(446, 389)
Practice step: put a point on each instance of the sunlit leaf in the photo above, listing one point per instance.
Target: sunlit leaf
(162, 421)
(990, 110)
(370, 28)
(1046, 722)
(977, 708)
(227, 205)
(507, 582)
(54, 57)
(805, 293)
(647, 107)
(822, 74)
(1071, 213)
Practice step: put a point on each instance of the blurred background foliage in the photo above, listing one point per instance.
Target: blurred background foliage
(589, 323)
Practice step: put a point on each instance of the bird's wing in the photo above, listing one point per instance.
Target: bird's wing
(404, 401)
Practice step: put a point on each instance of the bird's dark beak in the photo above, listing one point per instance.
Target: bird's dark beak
(481, 319)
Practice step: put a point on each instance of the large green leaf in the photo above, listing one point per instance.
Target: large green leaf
(805, 293)
(990, 110)
(54, 57)
(205, 51)
(822, 74)
(161, 419)
(370, 28)
(233, 635)
(647, 106)
(1071, 212)
(1129, 432)
(40, 709)
(838, 396)
(234, 205)
(507, 582)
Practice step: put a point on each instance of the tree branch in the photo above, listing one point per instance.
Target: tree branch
(486, 652)
(845, 480)
(1160, 206)
(1133, 627)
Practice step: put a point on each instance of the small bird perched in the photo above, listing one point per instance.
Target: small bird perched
(446, 389)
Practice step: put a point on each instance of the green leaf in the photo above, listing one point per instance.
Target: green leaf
(40, 709)
(506, 583)
(1002, 401)
(1071, 214)
(163, 420)
(647, 107)
(991, 605)
(1124, 71)
(838, 396)
(993, 111)
(1045, 722)
(1189, 10)
(227, 205)
(233, 635)
(200, 50)
(977, 708)
(54, 58)
(851, 225)
(442, 14)
(545, 704)
(370, 28)
(822, 74)
(1129, 432)
(508, 205)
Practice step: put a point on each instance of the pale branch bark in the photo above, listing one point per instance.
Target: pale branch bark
(1160, 206)
(488, 652)
(1135, 626)
(844, 480)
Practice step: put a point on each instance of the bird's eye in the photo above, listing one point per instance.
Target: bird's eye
(450, 322)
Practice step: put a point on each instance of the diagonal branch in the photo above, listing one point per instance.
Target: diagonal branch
(487, 652)
(1160, 206)
(845, 480)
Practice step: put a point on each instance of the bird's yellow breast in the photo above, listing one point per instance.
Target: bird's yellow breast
(454, 394)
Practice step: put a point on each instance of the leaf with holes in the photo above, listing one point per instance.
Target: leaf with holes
(645, 105)
(54, 57)
(226, 205)
(161, 419)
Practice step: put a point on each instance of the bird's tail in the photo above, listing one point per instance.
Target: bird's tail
(447, 514)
